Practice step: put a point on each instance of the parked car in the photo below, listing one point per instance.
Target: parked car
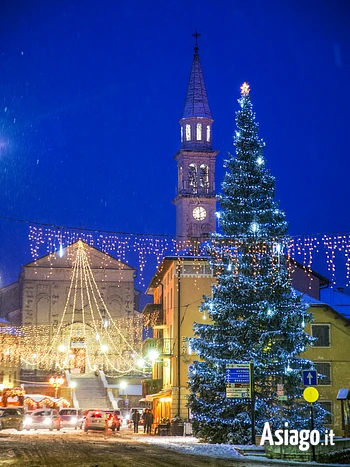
(119, 415)
(95, 420)
(11, 417)
(113, 419)
(72, 418)
(42, 418)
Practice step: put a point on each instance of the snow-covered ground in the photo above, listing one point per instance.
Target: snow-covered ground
(191, 445)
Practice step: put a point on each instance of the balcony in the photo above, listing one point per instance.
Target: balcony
(151, 386)
(163, 346)
(153, 316)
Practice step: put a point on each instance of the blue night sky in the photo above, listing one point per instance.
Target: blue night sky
(91, 94)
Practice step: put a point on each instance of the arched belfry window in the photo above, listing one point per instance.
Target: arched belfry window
(192, 177)
(188, 132)
(181, 179)
(204, 177)
(199, 131)
(208, 133)
(182, 134)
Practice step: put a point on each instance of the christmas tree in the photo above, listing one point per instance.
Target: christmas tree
(256, 316)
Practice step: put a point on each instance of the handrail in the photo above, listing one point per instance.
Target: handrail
(72, 390)
(114, 403)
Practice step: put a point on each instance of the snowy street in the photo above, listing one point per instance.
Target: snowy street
(72, 448)
(78, 449)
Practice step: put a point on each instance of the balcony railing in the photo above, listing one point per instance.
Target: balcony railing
(151, 386)
(153, 315)
(164, 346)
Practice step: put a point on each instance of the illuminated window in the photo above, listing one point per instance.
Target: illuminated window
(199, 131)
(182, 134)
(208, 132)
(195, 269)
(188, 132)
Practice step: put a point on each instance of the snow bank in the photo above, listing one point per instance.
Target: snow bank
(191, 445)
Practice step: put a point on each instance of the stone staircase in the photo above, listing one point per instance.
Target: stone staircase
(90, 392)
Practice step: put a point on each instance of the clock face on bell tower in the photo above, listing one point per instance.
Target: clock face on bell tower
(199, 213)
(195, 200)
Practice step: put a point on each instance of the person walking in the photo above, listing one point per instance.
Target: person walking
(136, 419)
(149, 421)
(144, 418)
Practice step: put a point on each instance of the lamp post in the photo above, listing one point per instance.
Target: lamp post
(123, 385)
(56, 382)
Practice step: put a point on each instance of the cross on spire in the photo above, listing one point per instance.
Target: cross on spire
(196, 35)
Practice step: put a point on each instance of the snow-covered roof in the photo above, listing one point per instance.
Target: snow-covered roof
(314, 302)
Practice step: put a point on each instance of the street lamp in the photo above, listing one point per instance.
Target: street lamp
(123, 385)
(56, 382)
(153, 355)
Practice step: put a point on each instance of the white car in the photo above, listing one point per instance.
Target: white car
(96, 420)
(42, 418)
(72, 418)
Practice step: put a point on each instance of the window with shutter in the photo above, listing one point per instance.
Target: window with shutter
(322, 333)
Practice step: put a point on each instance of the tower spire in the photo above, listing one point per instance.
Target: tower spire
(196, 104)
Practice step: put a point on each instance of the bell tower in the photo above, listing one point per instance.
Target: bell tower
(195, 200)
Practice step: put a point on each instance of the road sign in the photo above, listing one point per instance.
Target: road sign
(238, 380)
(237, 393)
(310, 395)
(282, 398)
(238, 373)
(310, 377)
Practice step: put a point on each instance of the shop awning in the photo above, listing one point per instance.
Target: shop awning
(158, 395)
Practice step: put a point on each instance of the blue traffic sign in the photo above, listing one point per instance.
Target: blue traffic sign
(310, 377)
(240, 375)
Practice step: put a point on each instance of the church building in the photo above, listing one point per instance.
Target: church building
(74, 307)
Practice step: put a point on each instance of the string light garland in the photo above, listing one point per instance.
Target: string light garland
(325, 253)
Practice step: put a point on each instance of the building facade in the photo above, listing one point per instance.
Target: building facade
(178, 288)
(331, 357)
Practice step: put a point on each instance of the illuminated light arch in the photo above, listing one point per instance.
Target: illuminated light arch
(101, 340)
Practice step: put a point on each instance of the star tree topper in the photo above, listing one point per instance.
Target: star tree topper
(245, 89)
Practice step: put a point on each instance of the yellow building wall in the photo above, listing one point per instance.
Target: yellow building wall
(192, 289)
(337, 354)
